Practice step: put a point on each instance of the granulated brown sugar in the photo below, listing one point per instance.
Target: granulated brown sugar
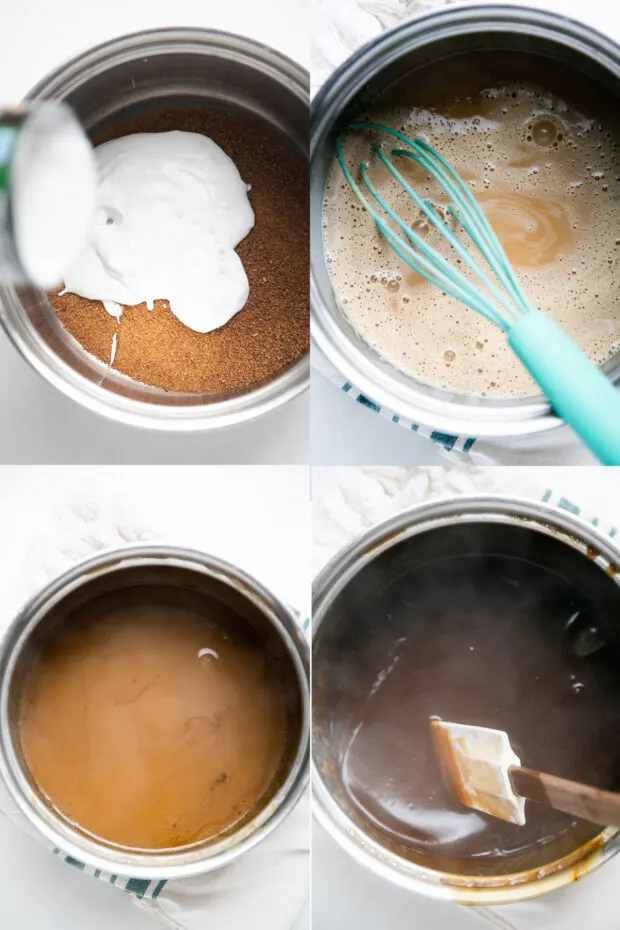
(272, 330)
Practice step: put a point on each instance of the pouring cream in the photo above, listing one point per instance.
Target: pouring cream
(171, 208)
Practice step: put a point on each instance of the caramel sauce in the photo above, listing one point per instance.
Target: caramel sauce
(153, 720)
(522, 641)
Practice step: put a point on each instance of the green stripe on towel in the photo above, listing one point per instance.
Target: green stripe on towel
(137, 886)
(446, 441)
(158, 889)
(74, 862)
(365, 402)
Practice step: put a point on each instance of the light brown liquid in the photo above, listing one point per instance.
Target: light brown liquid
(540, 148)
(152, 723)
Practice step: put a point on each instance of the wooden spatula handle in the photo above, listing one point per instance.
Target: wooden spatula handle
(592, 804)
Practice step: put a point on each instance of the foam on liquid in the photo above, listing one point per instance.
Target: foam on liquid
(545, 167)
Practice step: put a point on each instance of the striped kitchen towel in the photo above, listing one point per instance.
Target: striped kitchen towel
(555, 446)
(140, 887)
(455, 447)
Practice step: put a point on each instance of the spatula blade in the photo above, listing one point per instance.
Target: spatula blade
(475, 763)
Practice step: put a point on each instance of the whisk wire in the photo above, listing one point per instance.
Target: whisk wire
(457, 285)
(411, 258)
(450, 282)
(445, 268)
(476, 229)
(468, 214)
(579, 392)
(404, 252)
(454, 185)
(453, 240)
(483, 223)
(474, 222)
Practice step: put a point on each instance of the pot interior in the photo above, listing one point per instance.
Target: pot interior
(142, 77)
(514, 52)
(478, 623)
(179, 588)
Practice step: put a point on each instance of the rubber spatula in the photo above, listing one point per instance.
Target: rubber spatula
(484, 773)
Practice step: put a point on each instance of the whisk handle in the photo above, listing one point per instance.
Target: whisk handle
(578, 391)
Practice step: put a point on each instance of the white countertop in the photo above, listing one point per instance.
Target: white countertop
(37, 423)
(343, 432)
(348, 896)
(37, 893)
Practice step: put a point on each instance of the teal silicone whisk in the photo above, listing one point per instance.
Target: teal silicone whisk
(577, 389)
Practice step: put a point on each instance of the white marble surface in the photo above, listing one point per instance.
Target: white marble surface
(37, 423)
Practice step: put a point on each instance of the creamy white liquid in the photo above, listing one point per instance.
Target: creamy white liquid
(171, 208)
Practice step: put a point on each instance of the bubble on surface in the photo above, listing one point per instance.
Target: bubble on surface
(545, 131)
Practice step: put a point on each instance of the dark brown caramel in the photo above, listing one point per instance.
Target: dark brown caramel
(522, 641)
